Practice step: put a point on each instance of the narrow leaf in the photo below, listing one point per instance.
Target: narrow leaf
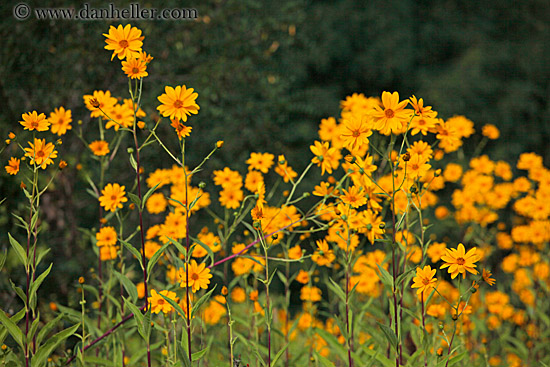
(18, 249)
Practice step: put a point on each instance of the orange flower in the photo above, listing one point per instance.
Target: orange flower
(158, 303)
(390, 119)
(113, 197)
(99, 147)
(13, 166)
(182, 130)
(124, 42)
(459, 261)
(106, 237)
(34, 121)
(134, 68)
(424, 279)
(198, 277)
(355, 134)
(40, 153)
(354, 197)
(61, 121)
(260, 161)
(178, 103)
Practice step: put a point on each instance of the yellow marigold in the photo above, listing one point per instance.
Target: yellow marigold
(34, 121)
(99, 147)
(424, 279)
(134, 68)
(459, 261)
(159, 304)
(260, 161)
(198, 277)
(106, 237)
(178, 102)
(490, 131)
(41, 153)
(156, 203)
(392, 115)
(113, 195)
(61, 121)
(13, 166)
(124, 42)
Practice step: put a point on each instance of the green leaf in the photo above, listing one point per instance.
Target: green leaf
(208, 250)
(12, 328)
(390, 334)
(135, 199)
(201, 301)
(385, 277)
(279, 355)
(38, 281)
(176, 306)
(128, 285)
(134, 251)
(34, 219)
(335, 287)
(133, 162)
(138, 316)
(147, 194)
(98, 361)
(3, 258)
(46, 329)
(155, 258)
(324, 361)
(198, 355)
(18, 249)
(42, 354)
(41, 255)
(19, 292)
(183, 356)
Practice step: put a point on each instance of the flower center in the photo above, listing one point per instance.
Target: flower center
(135, 70)
(40, 153)
(389, 113)
(160, 301)
(460, 261)
(113, 197)
(34, 124)
(356, 133)
(123, 43)
(426, 281)
(178, 104)
(195, 276)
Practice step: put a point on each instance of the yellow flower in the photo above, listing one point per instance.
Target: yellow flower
(99, 147)
(486, 274)
(112, 197)
(312, 294)
(40, 153)
(323, 256)
(34, 121)
(99, 101)
(178, 103)
(198, 277)
(124, 42)
(120, 116)
(260, 161)
(355, 133)
(231, 199)
(182, 130)
(158, 303)
(354, 197)
(106, 237)
(13, 166)
(459, 261)
(156, 203)
(134, 68)
(424, 279)
(61, 121)
(490, 131)
(391, 118)
(325, 157)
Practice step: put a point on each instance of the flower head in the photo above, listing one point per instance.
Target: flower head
(198, 277)
(178, 102)
(113, 196)
(459, 261)
(41, 153)
(13, 166)
(124, 42)
(135, 68)
(355, 133)
(61, 121)
(106, 237)
(424, 279)
(392, 116)
(34, 121)
(158, 303)
(99, 147)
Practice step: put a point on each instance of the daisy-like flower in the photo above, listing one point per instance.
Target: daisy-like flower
(102, 101)
(199, 276)
(34, 121)
(424, 279)
(354, 197)
(156, 203)
(260, 161)
(228, 178)
(13, 166)
(325, 157)
(106, 237)
(231, 199)
(355, 133)
(113, 196)
(159, 304)
(124, 42)
(61, 121)
(459, 261)
(490, 131)
(41, 153)
(182, 130)
(121, 116)
(99, 147)
(134, 68)
(417, 167)
(486, 274)
(392, 116)
(323, 256)
(178, 102)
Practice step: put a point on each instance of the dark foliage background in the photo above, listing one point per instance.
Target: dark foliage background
(264, 87)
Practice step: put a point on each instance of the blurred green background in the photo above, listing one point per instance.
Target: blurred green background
(267, 72)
